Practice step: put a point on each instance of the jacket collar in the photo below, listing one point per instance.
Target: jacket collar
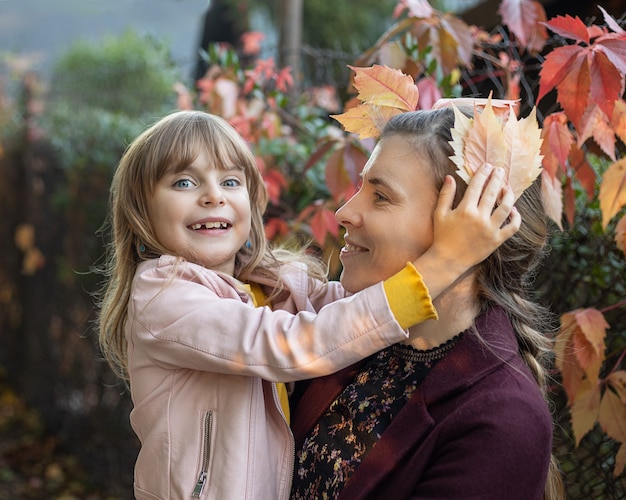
(473, 356)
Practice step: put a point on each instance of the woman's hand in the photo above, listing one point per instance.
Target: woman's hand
(465, 236)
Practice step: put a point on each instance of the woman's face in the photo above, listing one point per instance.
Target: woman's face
(388, 221)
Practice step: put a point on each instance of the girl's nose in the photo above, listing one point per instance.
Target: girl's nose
(212, 195)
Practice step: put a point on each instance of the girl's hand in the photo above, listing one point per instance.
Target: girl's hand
(465, 236)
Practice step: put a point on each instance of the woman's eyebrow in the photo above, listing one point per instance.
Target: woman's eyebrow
(380, 182)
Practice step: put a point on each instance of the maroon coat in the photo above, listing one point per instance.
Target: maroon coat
(477, 427)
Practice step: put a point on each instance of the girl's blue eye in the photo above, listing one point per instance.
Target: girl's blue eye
(183, 183)
(231, 183)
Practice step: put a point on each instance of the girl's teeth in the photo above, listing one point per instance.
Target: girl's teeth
(210, 225)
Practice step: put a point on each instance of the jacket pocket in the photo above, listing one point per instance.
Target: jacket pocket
(205, 450)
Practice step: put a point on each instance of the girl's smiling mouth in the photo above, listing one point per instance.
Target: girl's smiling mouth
(210, 225)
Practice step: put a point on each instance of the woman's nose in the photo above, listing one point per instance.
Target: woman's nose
(346, 214)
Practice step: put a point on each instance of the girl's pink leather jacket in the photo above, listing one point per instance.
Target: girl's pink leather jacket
(201, 361)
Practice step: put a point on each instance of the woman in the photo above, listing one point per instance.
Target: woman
(459, 411)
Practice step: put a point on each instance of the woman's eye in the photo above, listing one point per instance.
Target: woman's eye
(380, 197)
(183, 183)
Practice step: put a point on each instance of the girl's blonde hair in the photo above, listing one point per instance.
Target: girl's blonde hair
(504, 277)
(172, 144)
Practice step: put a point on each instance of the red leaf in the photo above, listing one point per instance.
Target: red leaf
(557, 142)
(342, 171)
(610, 22)
(456, 28)
(573, 90)
(569, 202)
(583, 172)
(607, 84)
(322, 223)
(614, 47)
(319, 153)
(524, 18)
(275, 228)
(275, 182)
(429, 92)
(595, 124)
(556, 67)
(449, 39)
(569, 27)
(588, 337)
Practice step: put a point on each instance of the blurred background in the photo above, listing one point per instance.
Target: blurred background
(78, 80)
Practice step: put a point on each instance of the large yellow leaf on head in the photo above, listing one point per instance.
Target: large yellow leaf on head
(514, 145)
(613, 191)
(524, 141)
(485, 141)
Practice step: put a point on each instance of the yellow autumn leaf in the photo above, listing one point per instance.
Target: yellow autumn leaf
(585, 409)
(571, 373)
(612, 420)
(588, 337)
(612, 416)
(384, 86)
(383, 92)
(617, 380)
(612, 194)
(366, 120)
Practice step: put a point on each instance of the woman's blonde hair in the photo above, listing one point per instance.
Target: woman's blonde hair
(171, 145)
(503, 278)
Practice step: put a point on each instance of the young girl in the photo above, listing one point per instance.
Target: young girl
(188, 264)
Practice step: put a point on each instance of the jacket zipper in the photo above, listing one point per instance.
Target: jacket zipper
(206, 454)
(291, 438)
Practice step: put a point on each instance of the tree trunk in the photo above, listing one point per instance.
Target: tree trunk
(290, 44)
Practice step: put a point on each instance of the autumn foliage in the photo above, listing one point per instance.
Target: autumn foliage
(416, 64)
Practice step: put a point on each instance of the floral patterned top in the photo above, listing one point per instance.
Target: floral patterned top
(358, 417)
